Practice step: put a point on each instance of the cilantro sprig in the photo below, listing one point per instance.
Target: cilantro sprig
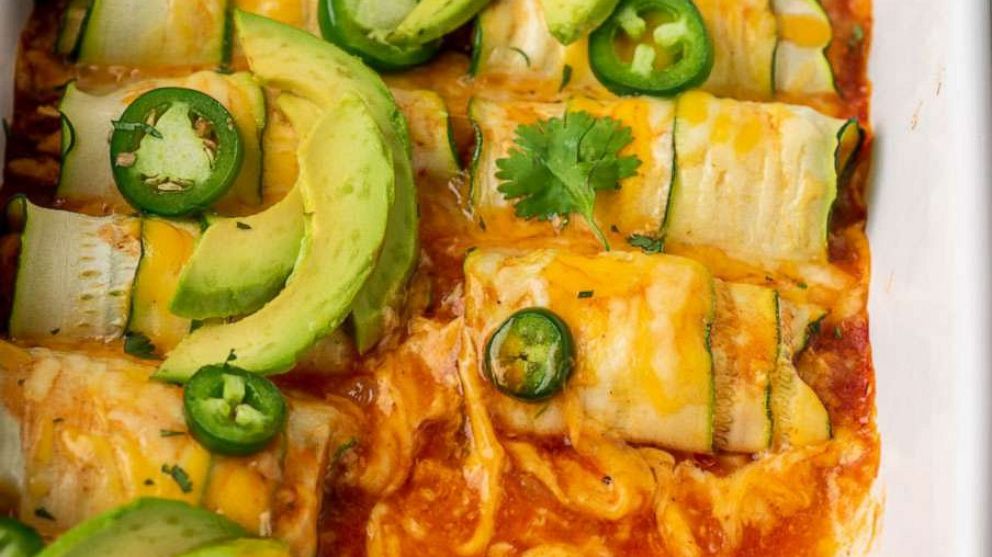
(558, 165)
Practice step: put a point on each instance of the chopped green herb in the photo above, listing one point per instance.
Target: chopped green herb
(586, 294)
(139, 346)
(802, 285)
(42, 512)
(149, 481)
(838, 333)
(814, 327)
(180, 476)
(558, 165)
(242, 225)
(542, 410)
(170, 433)
(137, 126)
(648, 244)
(857, 36)
(522, 53)
(566, 77)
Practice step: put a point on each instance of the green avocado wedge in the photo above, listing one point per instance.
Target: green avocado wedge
(239, 264)
(148, 527)
(433, 19)
(570, 20)
(297, 62)
(243, 548)
(346, 183)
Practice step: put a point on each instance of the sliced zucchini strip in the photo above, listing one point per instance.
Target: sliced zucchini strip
(74, 276)
(73, 22)
(640, 324)
(155, 33)
(87, 121)
(802, 319)
(744, 38)
(745, 354)
(801, 64)
(514, 48)
(638, 207)
(757, 181)
(434, 153)
(798, 416)
(165, 247)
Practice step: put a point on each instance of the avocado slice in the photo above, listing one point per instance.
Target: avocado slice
(433, 19)
(346, 183)
(570, 20)
(295, 61)
(241, 263)
(243, 548)
(149, 527)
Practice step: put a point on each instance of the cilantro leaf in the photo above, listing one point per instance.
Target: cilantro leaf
(558, 165)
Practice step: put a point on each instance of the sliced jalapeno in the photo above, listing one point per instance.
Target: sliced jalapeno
(18, 539)
(652, 47)
(360, 27)
(175, 151)
(531, 355)
(232, 411)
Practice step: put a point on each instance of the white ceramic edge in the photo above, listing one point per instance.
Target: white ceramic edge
(930, 303)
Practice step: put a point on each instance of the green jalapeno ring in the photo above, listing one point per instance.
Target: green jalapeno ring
(232, 411)
(18, 539)
(531, 355)
(175, 151)
(678, 32)
(339, 25)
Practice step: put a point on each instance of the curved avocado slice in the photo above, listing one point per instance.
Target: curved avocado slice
(346, 181)
(295, 61)
(570, 20)
(241, 263)
(243, 548)
(149, 527)
(433, 19)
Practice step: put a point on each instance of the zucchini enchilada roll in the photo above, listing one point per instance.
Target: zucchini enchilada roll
(756, 49)
(754, 180)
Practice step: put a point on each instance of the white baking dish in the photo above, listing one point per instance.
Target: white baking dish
(930, 234)
(930, 303)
